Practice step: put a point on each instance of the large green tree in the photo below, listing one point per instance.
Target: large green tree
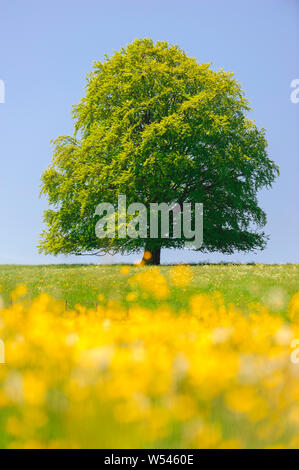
(158, 126)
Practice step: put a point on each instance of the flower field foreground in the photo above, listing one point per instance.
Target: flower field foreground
(124, 375)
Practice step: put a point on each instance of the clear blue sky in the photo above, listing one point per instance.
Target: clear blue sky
(47, 47)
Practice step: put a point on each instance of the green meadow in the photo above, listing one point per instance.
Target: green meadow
(271, 285)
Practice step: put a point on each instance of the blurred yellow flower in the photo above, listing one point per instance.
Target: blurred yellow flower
(210, 375)
(19, 291)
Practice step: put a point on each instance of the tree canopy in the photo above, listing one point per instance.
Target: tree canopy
(158, 126)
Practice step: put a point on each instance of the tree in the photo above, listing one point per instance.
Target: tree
(157, 126)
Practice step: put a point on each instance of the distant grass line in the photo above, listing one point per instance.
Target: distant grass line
(200, 263)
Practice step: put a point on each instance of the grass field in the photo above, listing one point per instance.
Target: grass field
(82, 284)
(126, 356)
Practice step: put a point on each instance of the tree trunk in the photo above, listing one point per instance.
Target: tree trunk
(151, 257)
